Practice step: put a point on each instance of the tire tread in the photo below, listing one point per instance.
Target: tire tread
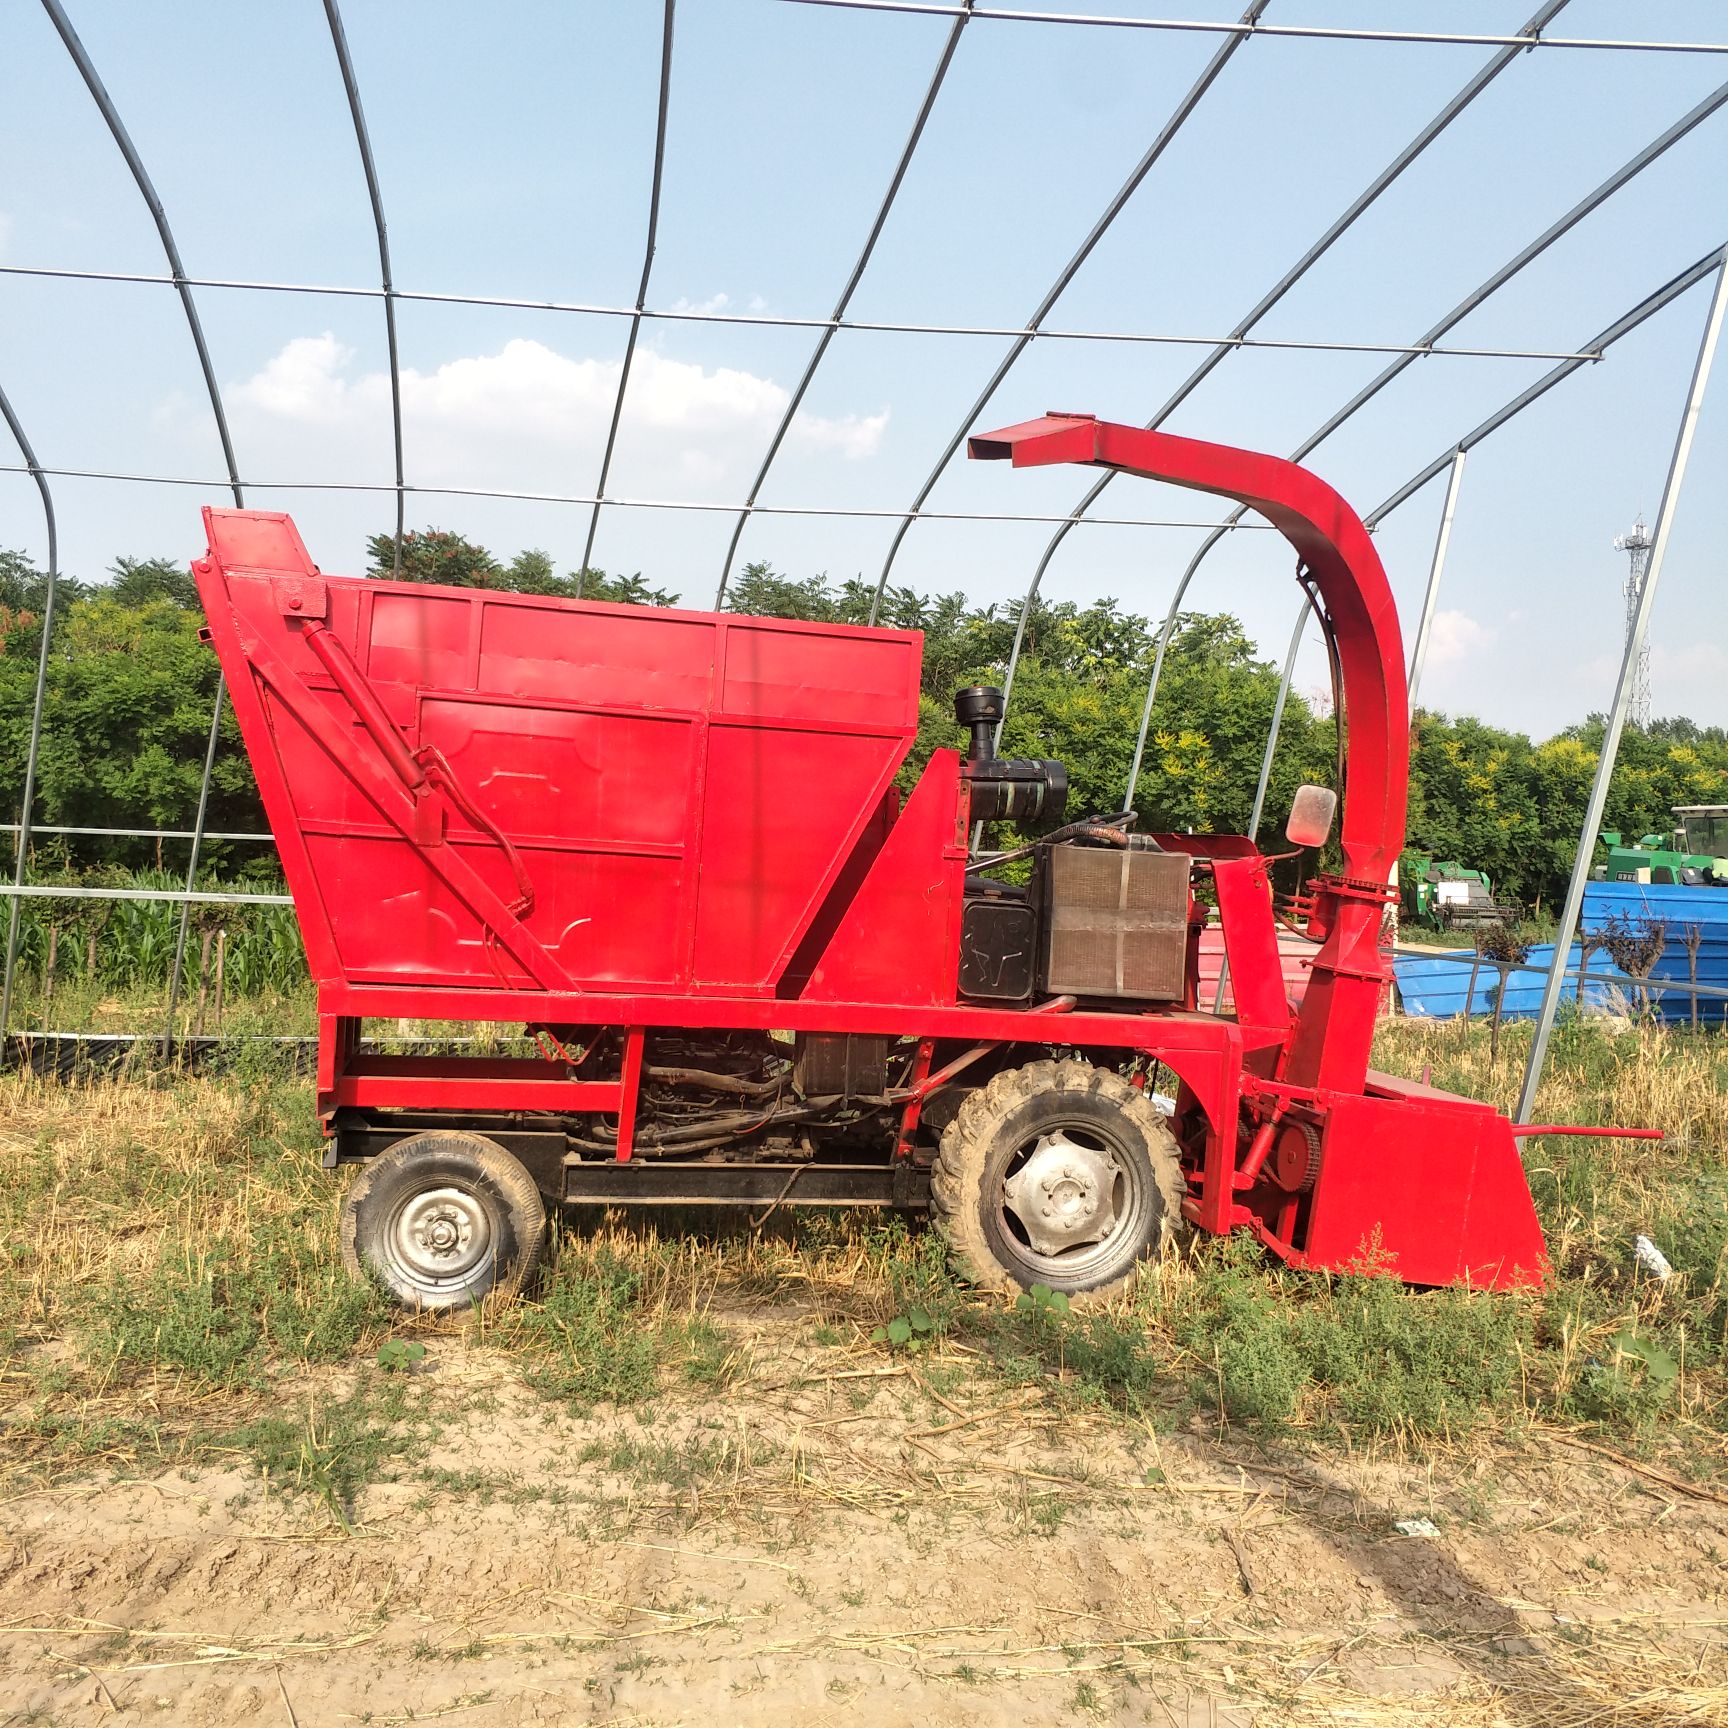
(957, 1176)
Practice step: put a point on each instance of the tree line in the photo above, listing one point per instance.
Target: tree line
(130, 690)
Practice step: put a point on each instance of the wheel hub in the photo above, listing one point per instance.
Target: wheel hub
(441, 1234)
(1064, 1195)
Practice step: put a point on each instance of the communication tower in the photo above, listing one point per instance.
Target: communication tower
(1637, 546)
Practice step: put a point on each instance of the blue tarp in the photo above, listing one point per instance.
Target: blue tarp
(1678, 909)
(1434, 985)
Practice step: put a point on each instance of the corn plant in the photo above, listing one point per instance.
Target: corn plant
(126, 945)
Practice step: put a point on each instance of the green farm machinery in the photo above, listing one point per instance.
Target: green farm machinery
(1449, 896)
(1694, 854)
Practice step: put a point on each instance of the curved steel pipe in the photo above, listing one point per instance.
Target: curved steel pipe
(895, 181)
(1605, 339)
(1346, 219)
(641, 291)
(146, 187)
(1190, 101)
(1555, 231)
(339, 39)
(35, 747)
(129, 151)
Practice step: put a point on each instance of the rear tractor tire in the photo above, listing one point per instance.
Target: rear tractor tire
(1060, 1174)
(443, 1220)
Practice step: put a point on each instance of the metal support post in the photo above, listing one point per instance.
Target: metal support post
(1266, 757)
(1622, 692)
(35, 747)
(339, 40)
(1431, 594)
(666, 24)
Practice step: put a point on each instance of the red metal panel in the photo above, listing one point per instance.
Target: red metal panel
(546, 773)
(783, 671)
(900, 937)
(608, 656)
(1295, 956)
(1250, 937)
(421, 641)
(468, 1082)
(1433, 1186)
(782, 812)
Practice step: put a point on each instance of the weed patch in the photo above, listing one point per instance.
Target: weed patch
(168, 1258)
(604, 1330)
(334, 1447)
(221, 1314)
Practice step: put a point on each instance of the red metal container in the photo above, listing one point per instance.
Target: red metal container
(672, 794)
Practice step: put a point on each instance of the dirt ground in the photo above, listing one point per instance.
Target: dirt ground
(834, 1540)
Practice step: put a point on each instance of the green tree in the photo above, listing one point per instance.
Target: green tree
(758, 589)
(1474, 800)
(127, 713)
(130, 688)
(138, 581)
(438, 555)
(434, 555)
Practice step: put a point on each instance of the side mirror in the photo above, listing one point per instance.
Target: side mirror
(1311, 815)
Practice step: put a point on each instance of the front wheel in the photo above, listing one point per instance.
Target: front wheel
(1060, 1174)
(442, 1220)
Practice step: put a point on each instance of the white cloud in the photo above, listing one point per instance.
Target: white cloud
(530, 417)
(5, 232)
(854, 436)
(714, 303)
(1455, 637)
(303, 382)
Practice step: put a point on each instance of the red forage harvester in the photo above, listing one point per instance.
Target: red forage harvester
(663, 855)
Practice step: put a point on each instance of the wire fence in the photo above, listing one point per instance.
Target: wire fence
(1507, 52)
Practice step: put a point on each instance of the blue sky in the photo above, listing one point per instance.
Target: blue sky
(514, 147)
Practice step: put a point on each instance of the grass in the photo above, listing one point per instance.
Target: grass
(331, 1448)
(170, 1290)
(607, 1325)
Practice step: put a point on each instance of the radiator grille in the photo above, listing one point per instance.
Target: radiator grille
(1116, 923)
